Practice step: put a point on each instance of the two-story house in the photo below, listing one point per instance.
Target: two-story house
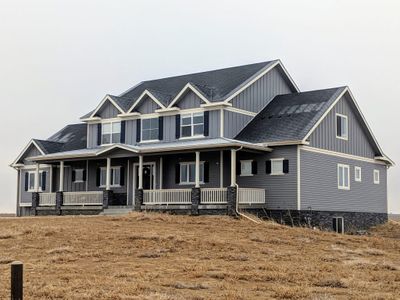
(214, 143)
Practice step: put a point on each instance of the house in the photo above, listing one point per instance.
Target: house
(211, 143)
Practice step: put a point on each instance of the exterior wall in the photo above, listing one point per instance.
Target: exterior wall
(32, 151)
(319, 185)
(107, 111)
(130, 132)
(26, 197)
(147, 106)
(281, 190)
(324, 135)
(189, 100)
(261, 92)
(234, 123)
(92, 135)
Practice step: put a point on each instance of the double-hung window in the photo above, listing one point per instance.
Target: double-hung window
(342, 127)
(115, 176)
(376, 177)
(150, 129)
(357, 174)
(343, 177)
(111, 132)
(192, 124)
(188, 172)
(31, 181)
(246, 168)
(277, 166)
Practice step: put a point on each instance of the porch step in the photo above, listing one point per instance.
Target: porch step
(116, 210)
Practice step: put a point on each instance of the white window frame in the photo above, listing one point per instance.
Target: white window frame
(358, 179)
(346, 138)
(192, 115)
(111, 123)
(141, 131)
(272, 168)
(76, 172)
(344, 167)
(29, 181)
(251, 167)
(187, 164)
(112, 184)
(377, 180)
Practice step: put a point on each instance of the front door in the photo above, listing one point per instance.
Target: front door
(148, 176)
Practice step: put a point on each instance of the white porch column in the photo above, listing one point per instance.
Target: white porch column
(197, 170)
(61, 176)
(108, 174)
(36, 188)
(221, 169)
(161, 172)
(233, 167)
(140, 185)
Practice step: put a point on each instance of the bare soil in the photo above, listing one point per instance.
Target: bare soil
(158, 256)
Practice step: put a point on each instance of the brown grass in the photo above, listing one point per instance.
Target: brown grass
(157, 256)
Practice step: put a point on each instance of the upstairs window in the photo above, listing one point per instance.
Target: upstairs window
(342, 127)
(150, 129)
(192, 124)
(376, 177)
(343, 177)
(110, 133)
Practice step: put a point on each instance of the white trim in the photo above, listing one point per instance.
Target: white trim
(298, 178)
(136, 164)
(337, 221)
(357, 179)
(150, 95)
(343, 155)
(217, 105)
(344, 186)
(221, 124)
(191, 87)
(241, 111)
(284, 143)
(221, 169)
(87, 176)
(107, 97)
(378, 181)
(277, 159)
(14, 164)
(346, 138)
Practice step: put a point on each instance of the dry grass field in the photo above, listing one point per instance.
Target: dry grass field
(157, 256)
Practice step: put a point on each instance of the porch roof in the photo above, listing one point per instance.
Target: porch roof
(193, 144)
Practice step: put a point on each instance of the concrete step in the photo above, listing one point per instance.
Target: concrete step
(114, 211)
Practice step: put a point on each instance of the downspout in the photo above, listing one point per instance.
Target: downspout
(237, 197)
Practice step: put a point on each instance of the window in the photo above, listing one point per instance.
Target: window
(277, 166)
(187, 172)
(343, 177)
(338, 224)
(150, 129)
(111, 132)
(78, 175)
(357, 174)
(342, 127)
(192, 124)
(376, 177)
(246, 168)
(31, 181)
(115, 176)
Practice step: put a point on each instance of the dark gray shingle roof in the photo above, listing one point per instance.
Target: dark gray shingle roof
(71, 137)
(289, 117)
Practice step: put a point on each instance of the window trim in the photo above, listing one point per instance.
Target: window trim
(355, 174)
(79, 181)
(34, 176)
(346, 138)
(111, 184)
(187, 163)
(141, 130)
(379, 176)
(281, 159)
(337, 221)
(192, 135)
(347, 188)
(111, 132)
(251, 167)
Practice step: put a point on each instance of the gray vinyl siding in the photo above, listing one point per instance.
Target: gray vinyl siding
(260, 93)
(324, 135)
(189, 100)
(281, 190)
(26, 197)
(319, 185)
(234, 123)
(147, 106)
(107, 111)
(130, 132)
(92, 138)
(31, 151)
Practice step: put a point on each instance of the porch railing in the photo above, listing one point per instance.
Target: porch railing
(251, 196)
(47, 199)
(172, 196)
(83, 198)
(213, 195)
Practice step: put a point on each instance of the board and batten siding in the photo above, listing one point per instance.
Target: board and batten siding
(324, 136)
(280, 190)
(319, 185)
(147, 106)
(107, 111)
(255, 97)
(234, 123)
(189, 100)
(26, 197)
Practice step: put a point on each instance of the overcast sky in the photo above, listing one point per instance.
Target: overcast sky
(59, 58)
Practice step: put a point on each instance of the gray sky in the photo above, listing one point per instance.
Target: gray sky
(59, 58)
